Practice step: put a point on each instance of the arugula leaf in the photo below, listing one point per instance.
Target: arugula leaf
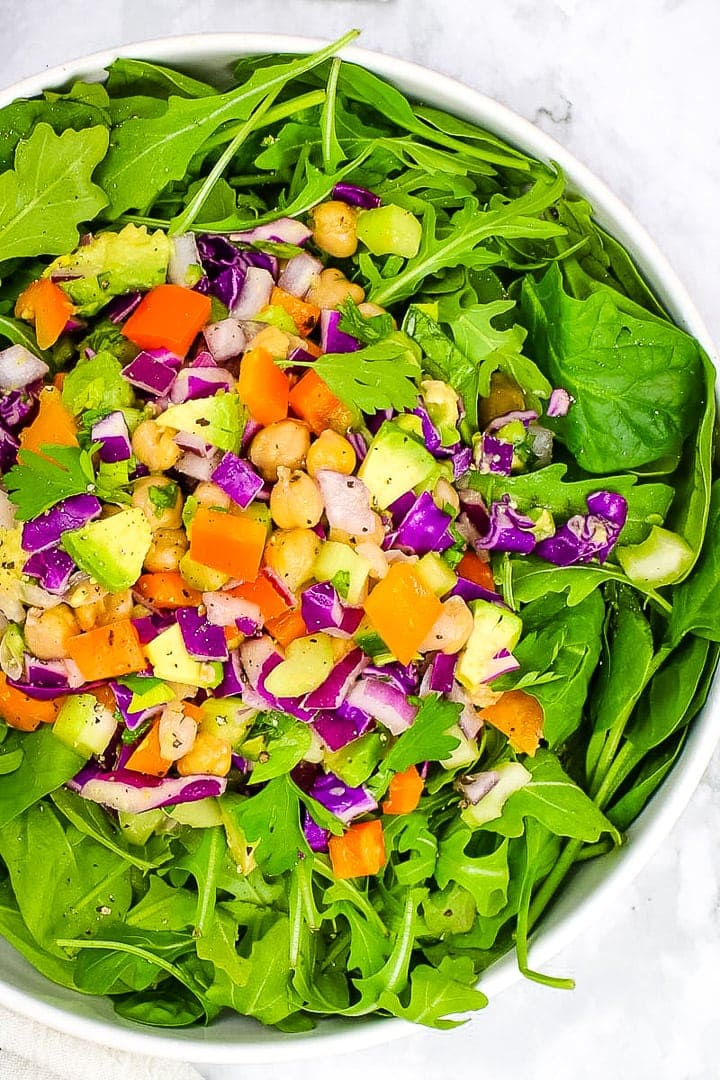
(485, 877)
(633, 380)
(37, 483)
(49, 192)
(427, 739)
(443, 360)
(437, 993)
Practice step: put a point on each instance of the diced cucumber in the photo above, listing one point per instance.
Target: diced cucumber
(259, 512)
(334, 558)
(390, 230)
(202, 814)
(227, 718)
(494, 628)
(464, 754)
(513, 776)
(661, 558)
(138, 828)
(84, 724)
(436, 573)
(307, 664)
(368, 639)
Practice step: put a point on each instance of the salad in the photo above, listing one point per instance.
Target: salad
(358, 539)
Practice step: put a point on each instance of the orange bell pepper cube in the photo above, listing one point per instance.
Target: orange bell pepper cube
(107, 651)
(314, 402)
(404, 792)
(168, 317)
(519, 716)
(402, 609)
(304, 315)
(48, 307)
(359, 851)
(208, 754)
(22, 712)
(233, 545)
(167, 590)
(146, 757)
(474, 569)
(263, 593)
(52, 426)
(286, 628)
(263, 386)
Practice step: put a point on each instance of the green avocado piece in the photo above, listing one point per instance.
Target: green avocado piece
(494, 629)
(218, 419)
(396, 462)
(111, 550)
(112, 264)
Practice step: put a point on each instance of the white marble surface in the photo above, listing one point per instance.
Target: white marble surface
(631, 87)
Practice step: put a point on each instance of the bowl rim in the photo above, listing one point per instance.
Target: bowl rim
(568, 918)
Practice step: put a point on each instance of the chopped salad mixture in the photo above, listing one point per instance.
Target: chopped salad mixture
(356, 570)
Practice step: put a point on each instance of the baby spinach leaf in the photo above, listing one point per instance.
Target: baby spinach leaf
(93, 821)
(645, 783)
(49, 193)
(695, 607)
(14, 929)
(633, 380)
(46, 765)
(669, 696)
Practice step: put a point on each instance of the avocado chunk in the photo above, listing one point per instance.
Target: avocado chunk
(396, 462)
(112, 264)
(218, 419)
(171, 661)
(112, 550)
(494, 628)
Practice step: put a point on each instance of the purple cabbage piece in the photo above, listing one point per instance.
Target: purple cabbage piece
(45, 531)
(338, 683)
(237, 479)
(424, 528)
(120, 307)
(202, 640)
(405, 678)
(316, 836)
(9, 447)
(133, 720)
(559, 403)
(228, 285)
(200, 382)
(441, 672)
(431, 435)
(332, 339)
(53, 568)
(134, 792)
(376, 421)
(322, 609)
(216, 251)
(300, 356)
(509, 530)
(50, 674)
(341, 726)
(149, 373)
(461, 458)
(16, 408)
(470, 590)
(149, 626)
(475, 512)
(494, 455)
(233, 680)
(114, 438)
(587, 536)
(355, 195)
(345, 802)
(262, 260)
(358, 443)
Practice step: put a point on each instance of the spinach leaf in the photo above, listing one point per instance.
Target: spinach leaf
(645, 783)
(14, 929)
(633, 380)
(46, 765)
(695, 607)
(669, 696)
(93, 821)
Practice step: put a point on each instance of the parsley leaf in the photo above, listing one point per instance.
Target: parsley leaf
(427, 739)
(49, 192)
(163, 496)
(367, 330)
(37, 483)
(271, 819)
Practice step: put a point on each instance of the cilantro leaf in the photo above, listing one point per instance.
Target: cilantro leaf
(36, 483)
(163, 496)
(50, 192)
(427, 739)
(380, 376)
(367, 330)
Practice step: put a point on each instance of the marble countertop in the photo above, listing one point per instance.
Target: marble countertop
(631, 88)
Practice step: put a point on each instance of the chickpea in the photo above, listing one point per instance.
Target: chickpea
(177, 732)
(276, 341)
(85, 592)
(286, 442)
(160, 517)
(47, 632)
(155, 446)
(295, 500)
(334, 226)
(332, 289)
(291, 554)
(167, 549)
(331, 451)
(104, 610)
(451, 629)
(444, 494)
(210, 495)
(209, 754)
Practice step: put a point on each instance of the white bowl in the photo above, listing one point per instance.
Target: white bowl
(233, 1039)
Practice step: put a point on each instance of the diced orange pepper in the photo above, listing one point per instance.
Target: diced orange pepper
(404, 792)
(359, 851)
(314, 402)
(304, 315)
(146, 757)
(402, 609)
(105, 696)
(474, 569)
(193, 711)
(209, 754)
(263, 593)
(48, 307)
(231, 544)
(52, 426)
(286, 628)
(263, 386)
(107, 651)
(167, 590)
(519, 716)
(168, 317)
(22, 712)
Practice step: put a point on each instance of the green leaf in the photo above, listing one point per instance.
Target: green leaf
(283, 753)
(427, 738)
(265, 992)
(367, 329)
(633, 380)
(271, 819)
(486, 877)
(50, 192)
(36, 483)
(93, 821)
(14, 929)
(533, 578)
(46, 765)
(438, 993)
(380, 376)
(97, 383)
(695, 606)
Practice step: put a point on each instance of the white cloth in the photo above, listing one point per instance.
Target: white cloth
(30, 1051)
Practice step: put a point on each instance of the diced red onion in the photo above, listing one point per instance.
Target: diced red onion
(114, 438)
(300, 274)
(225, 610)
(45, 531)
(52, 674)
(384, 702)
(197, 445)
(283, 231)
(254, 655)
(196, 467)
(134, 792)
(183, 254)
(335, 688)
(19, 367)
(501, 664)
(201, 638)
(254, 295)
(237, 479)
(150, 374)
(149, 626)
(405, 678)
(200, 382)
(120, 307)
(475, 787)
(347, 503)
(332, 339)
(525, 416)
(469, 719)
(559, 403)
(439, 675)
(322, 609)
(225, 339)
(357, 441)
